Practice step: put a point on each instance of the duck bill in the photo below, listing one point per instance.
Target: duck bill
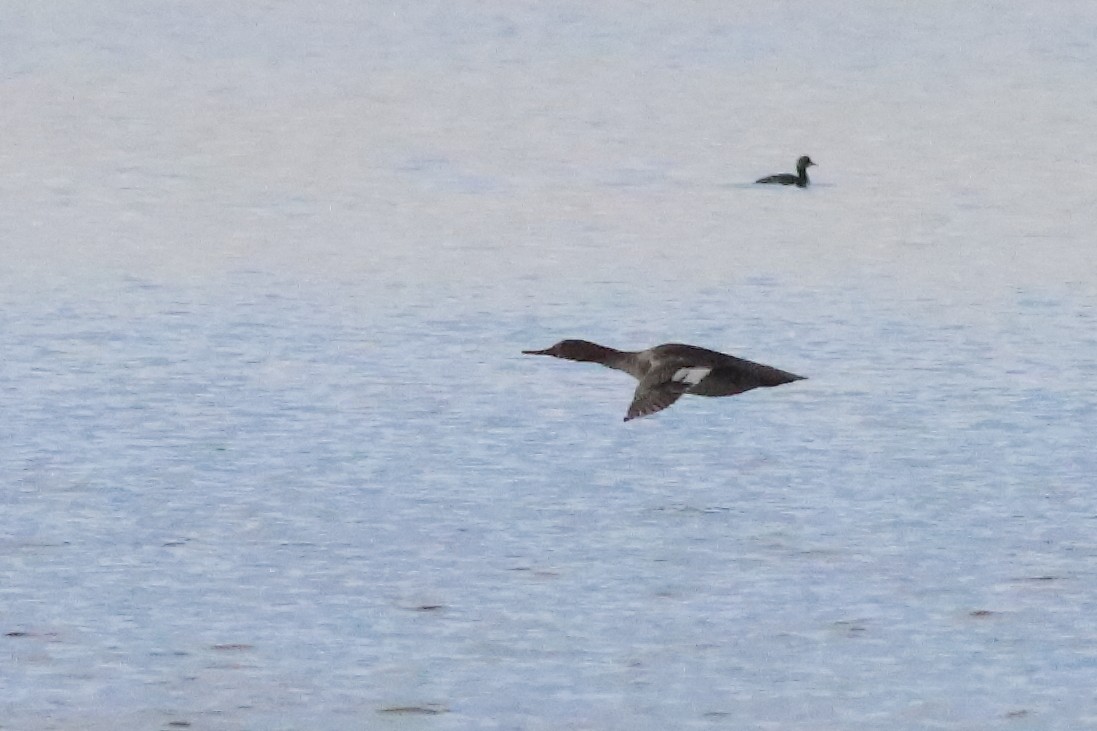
(546, 351)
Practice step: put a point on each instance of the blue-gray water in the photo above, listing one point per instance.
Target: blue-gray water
(270, 457)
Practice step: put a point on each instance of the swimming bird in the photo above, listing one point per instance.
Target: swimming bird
(668, 371)
(800, 179)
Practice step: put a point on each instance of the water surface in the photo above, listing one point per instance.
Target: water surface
(271, 457)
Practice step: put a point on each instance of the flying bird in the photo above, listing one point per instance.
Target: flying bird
(668, 371)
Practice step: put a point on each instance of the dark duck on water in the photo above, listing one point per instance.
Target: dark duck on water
(800, 179)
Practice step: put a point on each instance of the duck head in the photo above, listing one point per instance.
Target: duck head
(803, 164)
(580, 350)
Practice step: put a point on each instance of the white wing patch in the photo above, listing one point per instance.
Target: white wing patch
(690, 376)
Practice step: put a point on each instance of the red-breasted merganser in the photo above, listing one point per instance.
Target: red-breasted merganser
(668, 371)
(800, 179)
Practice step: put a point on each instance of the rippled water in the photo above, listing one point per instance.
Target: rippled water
(271, 457)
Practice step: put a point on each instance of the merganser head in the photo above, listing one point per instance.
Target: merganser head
(580, 350)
